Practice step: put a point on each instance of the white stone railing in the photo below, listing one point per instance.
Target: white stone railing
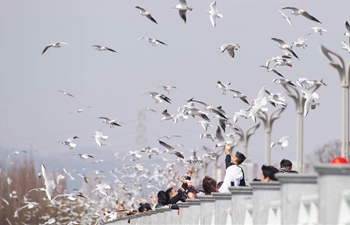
(322, 198)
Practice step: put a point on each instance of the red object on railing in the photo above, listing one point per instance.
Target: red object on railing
(339, 160)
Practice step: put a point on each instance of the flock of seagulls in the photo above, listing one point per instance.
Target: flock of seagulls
(219, 126)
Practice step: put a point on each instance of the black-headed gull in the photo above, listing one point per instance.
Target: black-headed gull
(241, 113)
(69, 142)
(111, 123)
(143, 12)
(54, 45)
(276, 99)
(223, 87)
(153, 41)
(270, 69)
(297, 12)
(230, 48)
(240, 95)
(283, 82)
(257, 105)
(166, 88)
(102, 48)
(65, 93)
(170, 149)
(309, 97)
(285, 46)
(102, 188)
(209, 136)
(134, 154)
(301, 41)
(100, 138)
(283, 142)
(158, 97)
(182, 7)
(170, 136)
(286, 17)
(49, 183)
(318, 30)
(214, 13)
(205, 124)
(85, 156)
(167, 116)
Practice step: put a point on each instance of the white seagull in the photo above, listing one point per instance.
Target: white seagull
(240, 95)
(153, 41)
(214, 13)
(158, 97)
(285, 46)
(143, 12)
(65, 93)
(301, 41)
(102, 48)
(167, 88)
(69, 142)
(100, 138)
(286, 17)
(167, 116)
(54, 45)
(170, 149)
(230, 48)
(111, 123)
(205, 124)
(283, 142)
(85, 156)
(318, 30)
(241, 113)
(309, 100)
(223, 87)
(297, 12)
(270, 69)
(347, 26)
(182, 7)
(345, 46)
(49, 183)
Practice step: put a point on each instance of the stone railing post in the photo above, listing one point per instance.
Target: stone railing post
(184, 217)
(161, 216)
(207, 209)
(240, 198)
(332, 180)
(195, 211)
(263, 194)
(293, 186)
(223, 212)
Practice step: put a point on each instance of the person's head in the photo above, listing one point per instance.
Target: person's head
(147, 206)
(162, 198)
(209, 185)
(171, 192)
(238, 158)
(191, 192)
(218, 186)
(268, 173)
(287, 164)
(142, 209)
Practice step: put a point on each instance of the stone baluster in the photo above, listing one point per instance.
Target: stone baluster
(223, 208)
(293, 186)
(263, 194)
(207, 209)
(240, 198)
(195, 211)
(332, 180)
(184, 217)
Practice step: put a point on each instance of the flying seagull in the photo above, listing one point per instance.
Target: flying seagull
(111, 123)
(102, 48)
(214, 13)
(285, 46)
(347, 26)
(182, 7)
(54, 45)
(297, 12)
(170, 149)
(153, 41)
(167, 88)
(49, 183)
(283, 142)
(143, 12)
(158, 97)
(301, 41)
(269, 69)
(65, 93)
(318, 30)
(230, 48)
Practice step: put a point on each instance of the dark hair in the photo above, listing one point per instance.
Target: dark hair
(162, 198)
(142, 209)
(285, 162)
(219, 185)
(269, 171)
(147, 206)
(209, 185)
(240, 157)
(167, 192)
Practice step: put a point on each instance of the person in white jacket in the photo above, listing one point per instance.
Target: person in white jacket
(234, 174)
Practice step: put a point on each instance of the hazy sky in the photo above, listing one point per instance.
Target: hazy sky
(34, 115)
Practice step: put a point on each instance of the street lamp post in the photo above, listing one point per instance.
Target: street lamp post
(244, 136)
(344, 75)
(268, 121)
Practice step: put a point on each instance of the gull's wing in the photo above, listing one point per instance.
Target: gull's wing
(166, 145)
(307, 15)
(109, 49)
(165, 113)
(161, 43)
(62, 43)
(291, 8)
(218, 135)
(293, 53)
(140, 8)
(152, 19)
(286, 17)
(276, 72)
(70, 95)
(183, 2)
(347, 26)
(178, 154)
(45, 49)
(105, 118)
(182, 14)
(213, 6)
(280, 41)
(282, 139)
